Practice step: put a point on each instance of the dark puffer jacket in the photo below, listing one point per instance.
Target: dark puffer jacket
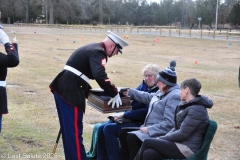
(191, 122)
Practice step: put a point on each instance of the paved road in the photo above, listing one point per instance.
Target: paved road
(165, 32)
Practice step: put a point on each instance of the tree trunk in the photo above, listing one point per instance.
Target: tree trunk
(100, 12)
(46, 12)
(51, 17)
(14, 13)
(27, 11)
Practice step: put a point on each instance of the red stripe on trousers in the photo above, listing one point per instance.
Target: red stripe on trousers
(76, 133)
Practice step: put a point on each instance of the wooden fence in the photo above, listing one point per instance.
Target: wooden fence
(156, 30)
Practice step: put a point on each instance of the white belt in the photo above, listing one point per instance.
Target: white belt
(78, 73)
(3, 83)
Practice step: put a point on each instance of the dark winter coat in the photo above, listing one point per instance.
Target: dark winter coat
(191, 122)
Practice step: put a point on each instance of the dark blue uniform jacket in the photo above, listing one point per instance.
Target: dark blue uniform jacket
(90, 60)
(8, 60)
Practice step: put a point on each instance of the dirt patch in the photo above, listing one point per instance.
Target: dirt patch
(30, 142)
(13, 147)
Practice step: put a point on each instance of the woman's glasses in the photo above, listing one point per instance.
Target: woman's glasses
(147, 76)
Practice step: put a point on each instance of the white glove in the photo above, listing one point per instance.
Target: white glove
(115, 100)
(4, 37)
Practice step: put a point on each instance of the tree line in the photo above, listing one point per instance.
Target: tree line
(122, 12)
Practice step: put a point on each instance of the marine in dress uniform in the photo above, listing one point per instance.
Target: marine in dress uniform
(71, 85)
(8, 60)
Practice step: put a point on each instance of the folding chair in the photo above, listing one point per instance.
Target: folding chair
(202, 154)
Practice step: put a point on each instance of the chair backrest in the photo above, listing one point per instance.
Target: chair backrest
(203, 152)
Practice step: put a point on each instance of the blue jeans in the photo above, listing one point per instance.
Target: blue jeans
(108, 146)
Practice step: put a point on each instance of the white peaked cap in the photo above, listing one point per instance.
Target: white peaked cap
(118, 40)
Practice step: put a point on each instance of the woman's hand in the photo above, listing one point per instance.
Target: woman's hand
(144, 129)
(117, 117)
(126, 92)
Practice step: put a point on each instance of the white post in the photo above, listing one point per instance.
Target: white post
(199, 19)
(216, 15)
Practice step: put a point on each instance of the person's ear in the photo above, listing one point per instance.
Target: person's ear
(112, 46)
(187, 90)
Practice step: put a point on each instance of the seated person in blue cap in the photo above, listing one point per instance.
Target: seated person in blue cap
(160, 117)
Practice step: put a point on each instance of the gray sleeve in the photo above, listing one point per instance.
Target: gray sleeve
(140, 96)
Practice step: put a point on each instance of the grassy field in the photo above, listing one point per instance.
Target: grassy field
(31, 127)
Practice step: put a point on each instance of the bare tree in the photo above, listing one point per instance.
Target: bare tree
(223, 14)
(51, 11)
(136, 12)
(100, 12)
(26, 9)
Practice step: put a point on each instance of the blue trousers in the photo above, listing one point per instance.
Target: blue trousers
(108, 146)
(0, 123)
(70, 119)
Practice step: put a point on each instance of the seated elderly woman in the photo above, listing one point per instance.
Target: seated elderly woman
(191, 122)
(160, 117)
